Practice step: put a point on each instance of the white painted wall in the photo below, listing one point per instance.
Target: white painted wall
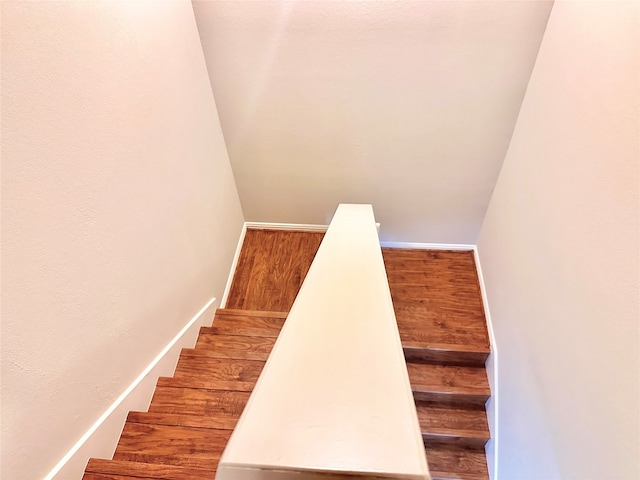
(120, 214)
(559, 249)
(406, 105)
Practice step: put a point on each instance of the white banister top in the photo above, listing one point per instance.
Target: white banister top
(334, 396)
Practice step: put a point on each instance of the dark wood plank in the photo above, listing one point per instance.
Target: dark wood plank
(115, 469)
(436, 297)
(109, 476)
(445, 354)
(199, 371)
(449, 424)
(196, 421)
(235, 346)
(451, 462)
(196, 401)
(451, 384)
(271, 268)
(252, 325)
(251, 313)
(170, 445)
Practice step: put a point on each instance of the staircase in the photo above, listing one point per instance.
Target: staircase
(441, 322)
(438, 306)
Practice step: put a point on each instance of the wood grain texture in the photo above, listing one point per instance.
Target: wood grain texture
(450, 424)
(449, 462)
(172, 445)
(183, 420)
(449, 384)
(267, 325)
(234, 346)
(114, 469)
(199, 402)
(109, 476)
(438, 305)
(199, 371)
(271, 268)
(441, 321)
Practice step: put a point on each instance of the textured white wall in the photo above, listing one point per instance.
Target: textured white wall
(559, 250)
(120, 214)
(407, 105)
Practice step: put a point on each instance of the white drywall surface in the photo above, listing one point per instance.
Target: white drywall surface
(559, 250)
(406, 105)
(120, 214)
(334, 395)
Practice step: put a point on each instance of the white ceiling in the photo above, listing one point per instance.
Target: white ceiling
(408, 105)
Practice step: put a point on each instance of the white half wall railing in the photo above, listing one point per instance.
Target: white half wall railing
(334, 398)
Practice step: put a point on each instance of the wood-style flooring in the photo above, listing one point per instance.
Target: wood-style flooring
(271, 268)
(440, 317)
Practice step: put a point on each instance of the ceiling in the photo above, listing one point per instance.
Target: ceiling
(408, 105)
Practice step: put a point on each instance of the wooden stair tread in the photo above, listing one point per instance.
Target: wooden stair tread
(172, 445)
(122, 469)
(197, 371)
(443, 418)
(450, 462)
(251, 313)
(419, 324)
(196, 401)
(235, 346)
(251, 325)
(448, 379)
(445, 354)
(110, 476)
(182, 420)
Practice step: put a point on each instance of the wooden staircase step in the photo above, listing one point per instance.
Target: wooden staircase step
(172, 445)
(418, 323)
(109, 476)
(251, 313)
(198, 371)
(196, 401)
(196, 421)
(449, 384)
(450, 462)
(446, 354)
(247, 322)
(234, 346)
(115, 469)
(450, 424)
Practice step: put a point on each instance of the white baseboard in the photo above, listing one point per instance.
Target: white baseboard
(234, 264)
(303, 227)
(101, 439)
(492, 375)
(428, 246)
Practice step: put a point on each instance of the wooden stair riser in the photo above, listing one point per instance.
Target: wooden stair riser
(452, 399)
(453, 438)
(444, 356)
(198, 371)
(170, 445)
(195, 401)
(114, 469)
(235, 346)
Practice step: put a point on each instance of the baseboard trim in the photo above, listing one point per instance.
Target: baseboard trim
(303, 227)
(429, 246)
(234, 264)
(493, 377)
(72, 456)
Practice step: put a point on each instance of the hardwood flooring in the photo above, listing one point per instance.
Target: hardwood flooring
(441, 321)
(271, 268)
